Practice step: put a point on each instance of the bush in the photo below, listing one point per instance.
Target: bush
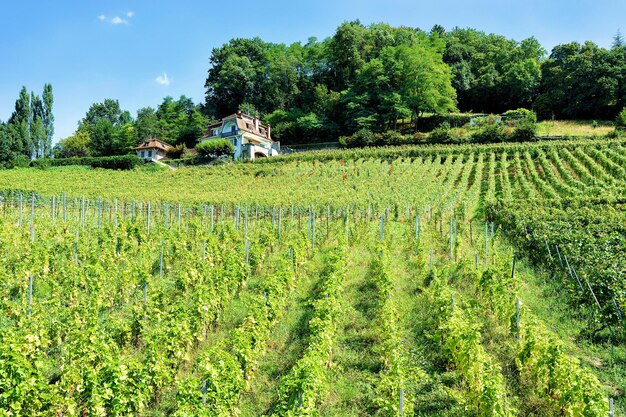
(490, 132)
(442, 134)
(432, 122)
(620, 120)
(521, 115)
(123, 162)
(525, 131)
(176, 152)
(360, 139)
(215, 148)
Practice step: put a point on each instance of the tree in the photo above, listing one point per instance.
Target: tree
(20, 125)
(77, 145)
(48, 119)
(37, 128)
(618, 40)
(579, 81)
(146, 124)
(102, 122)
(235, 75)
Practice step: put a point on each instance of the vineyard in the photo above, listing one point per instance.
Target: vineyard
(419, 281)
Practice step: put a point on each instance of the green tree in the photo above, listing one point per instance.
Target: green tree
(37, 128)
(77, 145)
(48, 119)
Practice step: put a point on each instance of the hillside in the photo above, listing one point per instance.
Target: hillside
(478, 280)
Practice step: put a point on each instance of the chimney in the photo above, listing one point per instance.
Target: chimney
(269, 130)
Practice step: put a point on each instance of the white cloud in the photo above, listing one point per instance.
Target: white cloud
(163, 79)
(119, 21)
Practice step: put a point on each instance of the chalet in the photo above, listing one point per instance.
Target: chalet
(152, 150)
(250, 138)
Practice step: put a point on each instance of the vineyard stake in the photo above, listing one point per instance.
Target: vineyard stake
(559, 253)
(204, 392)
(161, 258)
(82, 213)
(611, 410)
(19, 221)
(179, 210)
(451, 249)
(401, 405)
(417, 227)
(513, 267)
(247, 249)
(53, 210)
(32, 210)
(30, 294)
(518, 304)
(572, 275)
(115, 212)
(313, 230)
(203, 251)
(148, 218)
(167, 214)
(382, 227)
(486, 243)
(548, 246)
(212, 216)
(99, 211)
(64, 207)
(280, 215)
(132, 215)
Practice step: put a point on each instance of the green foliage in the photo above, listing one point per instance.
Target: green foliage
(176, 152)
(123, 162)
(77, 145)
(215, 148)
(620, 120)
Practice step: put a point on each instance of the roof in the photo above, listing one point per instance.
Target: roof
(153, 144)
(245, 123)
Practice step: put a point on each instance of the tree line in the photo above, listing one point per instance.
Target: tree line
(28, 132)
(374, 77)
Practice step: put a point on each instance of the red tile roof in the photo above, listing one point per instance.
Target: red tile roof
(153, 144)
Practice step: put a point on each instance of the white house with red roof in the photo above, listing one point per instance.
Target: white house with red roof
(152, 150)
(250, 138)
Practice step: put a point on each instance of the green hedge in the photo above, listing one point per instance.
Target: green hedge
(107, 162)
(430, 123)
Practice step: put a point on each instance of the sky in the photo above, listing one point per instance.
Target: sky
(139, 51)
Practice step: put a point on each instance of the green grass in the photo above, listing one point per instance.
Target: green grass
(573, 128)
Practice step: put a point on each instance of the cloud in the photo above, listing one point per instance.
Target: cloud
(119, 21)
(163, 79)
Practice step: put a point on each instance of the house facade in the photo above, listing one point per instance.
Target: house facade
(152, 150)
(250, 138)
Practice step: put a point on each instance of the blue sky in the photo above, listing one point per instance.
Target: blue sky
(139, 51)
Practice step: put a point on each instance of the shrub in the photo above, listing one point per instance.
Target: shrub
(215, 148)
(432, 122)
(524, 131)
(176, 152)
(620, 120)
(489, 132)
(442, 134)
(361, 138)
(521, 115)
(123, 162)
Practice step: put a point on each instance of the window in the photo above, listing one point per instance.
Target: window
(142, 153)
(149, 154)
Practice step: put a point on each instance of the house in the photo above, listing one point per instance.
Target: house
(152, 150)
(250, 138)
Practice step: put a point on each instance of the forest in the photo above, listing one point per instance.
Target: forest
(371, 77)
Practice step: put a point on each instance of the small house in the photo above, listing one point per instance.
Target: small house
(152, 150)
(249, 136)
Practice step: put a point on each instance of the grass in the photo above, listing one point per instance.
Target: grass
(574, 128)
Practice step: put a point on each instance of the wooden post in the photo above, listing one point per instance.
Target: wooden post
(161, 258)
